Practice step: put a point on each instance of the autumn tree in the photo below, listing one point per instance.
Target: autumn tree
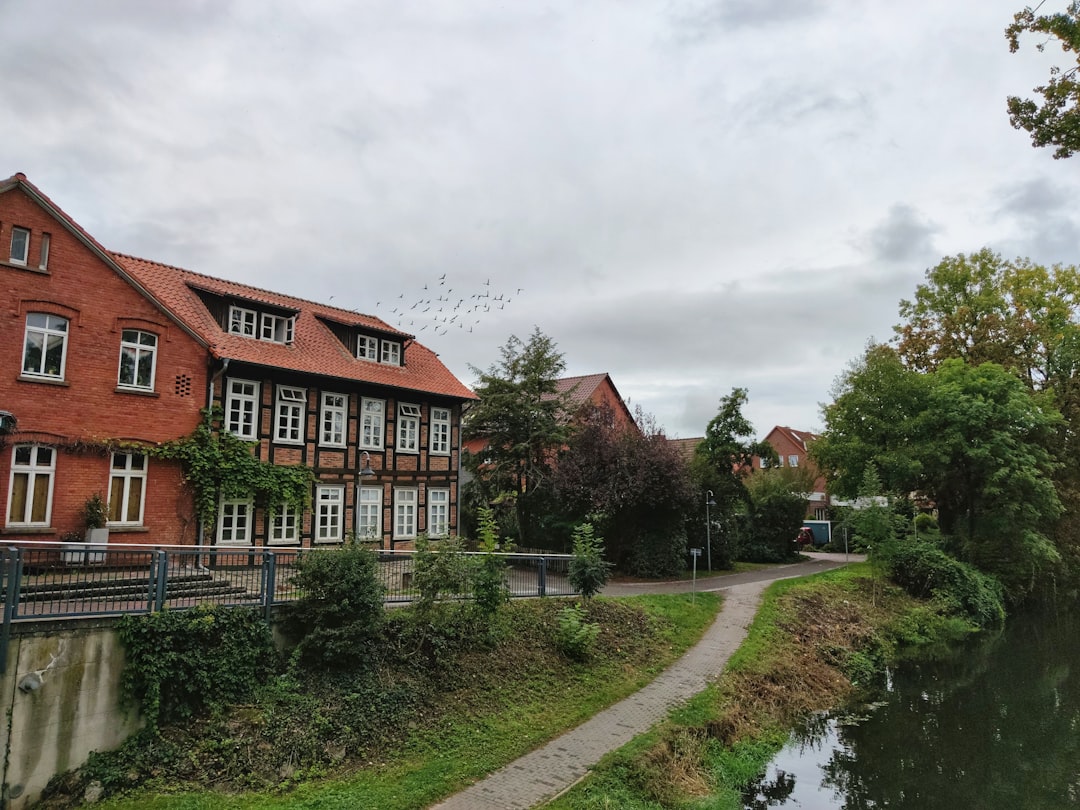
(1056, 121)
(522, 419)
(632, 484)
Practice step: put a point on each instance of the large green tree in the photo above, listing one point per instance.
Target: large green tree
(524, 422)
(725, 456)
(1056, 120)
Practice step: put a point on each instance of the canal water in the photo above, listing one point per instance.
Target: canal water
(994, 725)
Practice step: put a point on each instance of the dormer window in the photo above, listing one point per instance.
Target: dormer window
(391, 353)
(367, 348)
(242, 321)
(276, 328)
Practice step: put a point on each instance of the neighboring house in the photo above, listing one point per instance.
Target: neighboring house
(89, 364)
(791, 450)
(590, 389)
(375, 414)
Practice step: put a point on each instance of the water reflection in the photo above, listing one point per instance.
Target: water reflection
(995, 726)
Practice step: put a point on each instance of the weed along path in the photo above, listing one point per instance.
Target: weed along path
(541, 775)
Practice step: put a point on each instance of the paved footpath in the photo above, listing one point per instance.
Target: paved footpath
(551, 769)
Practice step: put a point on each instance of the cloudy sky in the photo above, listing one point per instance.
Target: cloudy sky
(691, 195)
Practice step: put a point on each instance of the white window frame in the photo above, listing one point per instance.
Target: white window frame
(290, 415)
(43, 258)
(405, 513)
(20, 258)
(241, 403)
(439, 432)
(408, 428)
(329, 514)
(235, 523)
(132, 343)
(438, 512)
(372, 423)
(793, 461)
(129, 470)
(45, 327)
(369, 501)
(242, 321)
(276, 328)
(367, 348)
(33, 468)
(284, 528)
(390, 353)
(333, 419)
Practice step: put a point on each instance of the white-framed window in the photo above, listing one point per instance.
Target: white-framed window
(242, 409)
(408, 428)
(332, 419)
(30, 488)
(20, 245)
(369, 513)
(43, 259)
(372, 419)
(289, 415)
(276, 328)
(138, 358)
(793, 461)
(404, 514)
(391, 353)
(367, 348)
(821, 513)
(440, 431)
(242, 321)
(438, 512)
(329, 514)
(234, 522)
(285, 526)
(45, 346)
(127, 489)
(764, 463)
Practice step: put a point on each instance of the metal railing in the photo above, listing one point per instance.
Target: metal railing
(52, 580)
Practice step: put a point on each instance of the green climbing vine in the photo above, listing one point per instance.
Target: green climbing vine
(218, 465)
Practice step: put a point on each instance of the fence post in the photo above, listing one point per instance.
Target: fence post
(268, 583)
(12, 577)
(541, 572)
(161, 574)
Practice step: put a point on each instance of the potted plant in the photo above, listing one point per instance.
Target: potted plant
(95, 515)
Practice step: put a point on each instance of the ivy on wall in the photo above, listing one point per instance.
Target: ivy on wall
(217, 465)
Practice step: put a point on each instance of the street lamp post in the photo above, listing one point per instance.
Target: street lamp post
(708, 528)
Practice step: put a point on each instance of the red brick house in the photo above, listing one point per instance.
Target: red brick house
(89, 363)
(791, 450)
(373, 412)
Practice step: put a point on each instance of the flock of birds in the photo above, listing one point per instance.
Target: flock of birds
(441, 309)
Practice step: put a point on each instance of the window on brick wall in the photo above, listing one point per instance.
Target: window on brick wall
(242, 408)
(440, 431)
(20, 245)
(329, 514)
(369, 513)
(404, 514)
(45, 345)
(234, 525)
(408, 428)
(127, 488)
(138, 357)
(289, 415)
(285, 526)
(372, 418)
(332, 419)
(30, 487)
(438, 521)
(43, 257)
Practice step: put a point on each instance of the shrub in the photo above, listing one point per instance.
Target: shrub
(339, 614)
(588, 571)
(575, 637)
(437, 570)
(925, 571)
(181, 663)
(489, 578)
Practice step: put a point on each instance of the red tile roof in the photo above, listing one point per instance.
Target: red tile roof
(580, 389)
(314, 350)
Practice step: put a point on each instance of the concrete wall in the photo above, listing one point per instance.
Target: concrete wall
(72, 707)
